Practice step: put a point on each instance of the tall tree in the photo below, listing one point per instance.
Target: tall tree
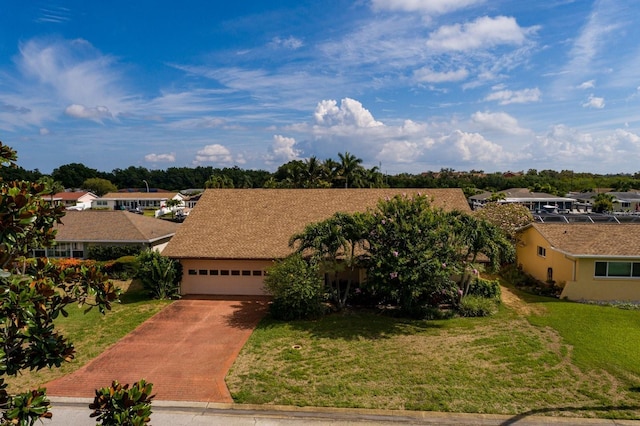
(99, 186)
(73, 175)
(349, 167)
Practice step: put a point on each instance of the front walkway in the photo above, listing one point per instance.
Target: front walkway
(185, 350)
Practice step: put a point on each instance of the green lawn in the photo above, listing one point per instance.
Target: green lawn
(559, 358)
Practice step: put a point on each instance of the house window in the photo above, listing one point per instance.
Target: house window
(193, 272)
(246, 273)
(625, 204)
(617, 269)
(203, 272)
(256, 273)
(236, 273)
(213, 272)
(542, 252)
(224, 272)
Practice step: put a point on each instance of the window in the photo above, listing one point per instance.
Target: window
(246, 273)
(193, 272)
(224, 272)
(617, 269)
(256, 273)
(203, 272)
(213, 272)
(235, 272)
(542, 252)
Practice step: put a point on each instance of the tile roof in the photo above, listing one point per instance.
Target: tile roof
(112, 226)
(139, 195)
(593, 239)
(257, 223)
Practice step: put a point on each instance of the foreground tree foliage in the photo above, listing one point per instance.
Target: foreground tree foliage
(121, 405)
(33, 293)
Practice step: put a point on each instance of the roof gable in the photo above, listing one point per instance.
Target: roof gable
(112, 226)
(257, 223)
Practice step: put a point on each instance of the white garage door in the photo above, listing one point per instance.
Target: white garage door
(223, 278)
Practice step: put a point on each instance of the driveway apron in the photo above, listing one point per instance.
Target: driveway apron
(185, 350)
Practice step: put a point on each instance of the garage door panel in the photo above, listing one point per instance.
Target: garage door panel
(223, 277)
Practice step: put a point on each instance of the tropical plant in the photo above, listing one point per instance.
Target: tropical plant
(296, 287)
(603, 203)
(410, 258)
(349, 169)
(159, 275)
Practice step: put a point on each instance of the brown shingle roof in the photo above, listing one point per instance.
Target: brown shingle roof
(112, 226)
(593, 239)
(257, 223)
(70, 196)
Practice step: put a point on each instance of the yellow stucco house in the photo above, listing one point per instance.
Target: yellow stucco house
(591, 261)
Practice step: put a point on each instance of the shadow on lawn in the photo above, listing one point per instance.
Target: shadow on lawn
(515, 419)
(247, 313)
(356, 324)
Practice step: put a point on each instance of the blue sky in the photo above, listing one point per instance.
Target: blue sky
(411, 85)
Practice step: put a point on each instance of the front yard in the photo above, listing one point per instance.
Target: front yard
(537, 356)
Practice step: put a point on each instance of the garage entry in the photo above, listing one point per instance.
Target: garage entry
(224, 277)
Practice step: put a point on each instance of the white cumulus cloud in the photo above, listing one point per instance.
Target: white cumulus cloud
(498, 121)
(484, 32)
(349, 113)
(282, 150)
(215, 153)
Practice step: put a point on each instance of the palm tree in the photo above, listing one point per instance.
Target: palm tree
(348, 168)
(325, 242)
(603, 203)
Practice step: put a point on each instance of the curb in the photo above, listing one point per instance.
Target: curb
(352, 414)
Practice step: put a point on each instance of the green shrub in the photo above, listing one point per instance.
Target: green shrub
(489, 289)
(159, 275)
(297, 289)
(99, 252)
(120, 405)
(477, 306)
(122, 268)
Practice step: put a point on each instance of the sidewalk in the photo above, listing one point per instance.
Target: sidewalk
(75, 412)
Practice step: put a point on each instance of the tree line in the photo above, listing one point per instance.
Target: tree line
(346, 171)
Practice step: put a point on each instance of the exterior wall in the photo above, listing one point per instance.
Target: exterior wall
(589, 287)
(562, 267)
(198, 277)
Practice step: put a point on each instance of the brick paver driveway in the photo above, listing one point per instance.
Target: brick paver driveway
(185, 350)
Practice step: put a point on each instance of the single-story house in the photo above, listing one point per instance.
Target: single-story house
(534, 201)
(135, 200)
(75, 200)
(628, 201)
(233, 235)
(82, 229)
(591, 261)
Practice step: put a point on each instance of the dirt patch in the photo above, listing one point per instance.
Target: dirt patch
(513, 301)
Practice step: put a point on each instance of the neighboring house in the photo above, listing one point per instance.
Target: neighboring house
(82, 229)
(233, 235)
(78, 200)
(135, 200)
(534, 201)
(590, 261)
(628, 202)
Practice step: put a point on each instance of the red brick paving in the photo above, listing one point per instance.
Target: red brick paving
(185, 350)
